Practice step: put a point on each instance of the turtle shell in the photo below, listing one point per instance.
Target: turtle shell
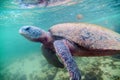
(90, 36)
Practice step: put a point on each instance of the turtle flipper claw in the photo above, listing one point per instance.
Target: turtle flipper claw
(62, 50)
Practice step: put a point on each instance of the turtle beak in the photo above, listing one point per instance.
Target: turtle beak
(23, 29)
(20, 31)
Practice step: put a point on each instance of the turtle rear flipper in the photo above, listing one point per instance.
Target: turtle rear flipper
(51, 57)
(62, 50)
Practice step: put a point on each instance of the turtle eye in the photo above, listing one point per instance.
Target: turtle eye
(27, 28)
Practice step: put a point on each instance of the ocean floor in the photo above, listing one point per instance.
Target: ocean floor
(35, 67)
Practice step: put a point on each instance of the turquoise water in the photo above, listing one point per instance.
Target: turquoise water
(12, 45)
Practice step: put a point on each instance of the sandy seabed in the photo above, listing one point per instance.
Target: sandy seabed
(35, 67)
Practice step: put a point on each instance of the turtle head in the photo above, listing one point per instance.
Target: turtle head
(33, 33)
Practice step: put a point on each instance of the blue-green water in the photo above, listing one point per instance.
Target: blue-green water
(12, 45)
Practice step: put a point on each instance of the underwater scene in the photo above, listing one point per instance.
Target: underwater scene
(22, 59)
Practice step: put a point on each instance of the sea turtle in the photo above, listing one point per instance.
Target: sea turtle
(73, 39)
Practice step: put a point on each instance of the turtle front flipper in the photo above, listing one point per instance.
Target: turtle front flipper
(51, 57)
(62, 50)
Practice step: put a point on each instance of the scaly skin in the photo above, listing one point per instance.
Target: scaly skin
(64, 53)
